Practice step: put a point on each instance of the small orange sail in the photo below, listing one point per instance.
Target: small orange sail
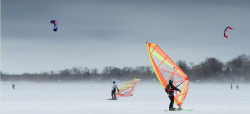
(166, 69)
(128, 89)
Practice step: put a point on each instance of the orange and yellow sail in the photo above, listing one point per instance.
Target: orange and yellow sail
(166, 69)
(128, 89)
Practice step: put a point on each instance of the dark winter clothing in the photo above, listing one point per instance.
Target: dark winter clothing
(113, 94)
(170, 90)
(171, 101)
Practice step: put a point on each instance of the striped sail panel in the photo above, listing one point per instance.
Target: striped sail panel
(165, 69)
(128, 89)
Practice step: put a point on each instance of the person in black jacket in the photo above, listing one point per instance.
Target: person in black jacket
(170, 90)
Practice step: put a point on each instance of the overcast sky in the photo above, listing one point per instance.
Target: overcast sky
(99, 33)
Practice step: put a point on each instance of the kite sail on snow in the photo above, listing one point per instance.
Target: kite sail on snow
(226, 31)
(128, 89)
(55, 25)
(165, 69)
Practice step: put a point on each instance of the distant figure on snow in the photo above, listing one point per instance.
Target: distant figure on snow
(113, 91)
(170, 90)
(237, 87)
(13, 86)
(231, 86)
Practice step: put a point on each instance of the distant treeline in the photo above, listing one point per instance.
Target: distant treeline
(211, 70)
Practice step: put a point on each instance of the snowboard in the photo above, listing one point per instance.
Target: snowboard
(179, 110)
(112, 99)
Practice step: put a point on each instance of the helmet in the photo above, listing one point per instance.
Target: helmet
(170, 81)
(113, 82)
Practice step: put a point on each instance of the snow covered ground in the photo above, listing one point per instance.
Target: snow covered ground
(91, 98)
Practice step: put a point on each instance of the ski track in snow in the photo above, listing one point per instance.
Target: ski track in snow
(91, 98)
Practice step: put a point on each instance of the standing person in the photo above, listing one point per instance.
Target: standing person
(13, 86)
(231, 86)
(170, 90)
(113, 91)
(237, 87)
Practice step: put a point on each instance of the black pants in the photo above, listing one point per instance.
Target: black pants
(113, 94)
(171, 101)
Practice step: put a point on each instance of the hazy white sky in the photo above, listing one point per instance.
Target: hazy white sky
(99, 33)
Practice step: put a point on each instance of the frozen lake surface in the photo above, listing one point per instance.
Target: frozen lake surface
(91, 98)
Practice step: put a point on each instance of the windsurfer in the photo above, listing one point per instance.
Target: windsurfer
(113, 91)
(13, 86)
(170, 90)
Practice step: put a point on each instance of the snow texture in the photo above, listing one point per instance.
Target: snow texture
(91, 98)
